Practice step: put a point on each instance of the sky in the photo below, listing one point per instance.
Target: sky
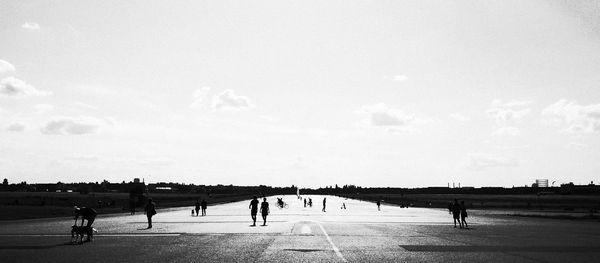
(310, 93)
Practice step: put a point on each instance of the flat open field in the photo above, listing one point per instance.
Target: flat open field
(359, 233)
(29, 205)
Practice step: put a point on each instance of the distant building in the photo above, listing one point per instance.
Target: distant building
(541, 182)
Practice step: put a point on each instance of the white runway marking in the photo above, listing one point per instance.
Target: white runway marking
(305, 230)
(337, 251)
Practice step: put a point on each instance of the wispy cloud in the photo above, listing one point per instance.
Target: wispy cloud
(16, 127)
(200, 96)
(72, 126)
(478, 162)
(13, 87)
(400, 78)
(31, 26)
(571, 117)
(459, 117)
(5, 66)
(507, 115)
(228, 100)
(392, 119)
(85, 106)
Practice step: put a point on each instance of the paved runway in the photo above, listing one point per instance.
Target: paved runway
(359, 233)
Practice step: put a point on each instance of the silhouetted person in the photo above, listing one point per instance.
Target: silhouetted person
(264, 210)
(378, 205)
(203, 205)
(150, 210)
(324, 203)
(449, 207)
(456, 213)
(86, 213)
(197, 207)
(253, 210)
(304, 202)
(463, 214)
(132, 206)
(343, 206)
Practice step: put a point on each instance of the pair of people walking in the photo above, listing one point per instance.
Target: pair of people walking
(459, 213)
(199, 205)
(264, 210)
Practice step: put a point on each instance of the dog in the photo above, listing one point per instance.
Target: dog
(77, 233)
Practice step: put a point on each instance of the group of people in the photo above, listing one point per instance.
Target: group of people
(456, 209)
(459, 213)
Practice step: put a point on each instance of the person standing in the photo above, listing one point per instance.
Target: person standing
(253, 210)
(203, 204)
(304, 202)
(150, 211)
(456, 213)
(132, 206)
(264, 210)
(378, 205)
(463, 214)
(324, 203)
(197, 207)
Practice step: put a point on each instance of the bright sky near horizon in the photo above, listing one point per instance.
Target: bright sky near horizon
(311, 93)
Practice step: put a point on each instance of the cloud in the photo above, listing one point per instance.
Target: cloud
(382, 115)
(85, 106)
(577, 146)
(200, 95)
(400, 78)
(506, 115)
(506, 131)
(6, 67)
(16, 127)
(228, 100)
(393, 120)
(72, 126)
(13, 87)
(43, 108)
(31, 26)
(82, 158)
(459, 117)
(571, 117)
(478, 162)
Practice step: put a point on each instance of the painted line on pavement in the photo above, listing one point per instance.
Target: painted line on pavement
(305, 230)
(337, 251)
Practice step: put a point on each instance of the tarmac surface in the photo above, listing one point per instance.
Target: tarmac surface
(359, 233)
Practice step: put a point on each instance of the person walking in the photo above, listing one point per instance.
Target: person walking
(203, 205)
(264, 210)
(197, 207)
(324, 203)
(456, 213)
(253, 210)
(150, 211)
(463, 214)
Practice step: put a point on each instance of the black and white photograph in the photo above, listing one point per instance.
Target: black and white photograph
(300, 131)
